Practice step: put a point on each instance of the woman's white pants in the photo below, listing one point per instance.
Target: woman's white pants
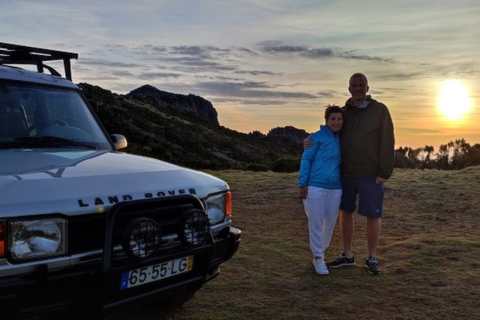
(321, 206)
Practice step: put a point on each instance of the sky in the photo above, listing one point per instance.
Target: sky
(275, 63)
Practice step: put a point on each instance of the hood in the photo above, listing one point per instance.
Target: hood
(42, 181)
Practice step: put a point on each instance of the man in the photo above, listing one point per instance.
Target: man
(368, 141)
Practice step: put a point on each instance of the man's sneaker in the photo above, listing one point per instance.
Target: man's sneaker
(372, 264)
(320, 266)
(341, 261)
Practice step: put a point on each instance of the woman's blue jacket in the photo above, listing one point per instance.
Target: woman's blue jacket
(320, 164)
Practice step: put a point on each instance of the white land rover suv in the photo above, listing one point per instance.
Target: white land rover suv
(84, 226)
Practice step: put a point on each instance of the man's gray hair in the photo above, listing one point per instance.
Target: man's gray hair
(356, 75)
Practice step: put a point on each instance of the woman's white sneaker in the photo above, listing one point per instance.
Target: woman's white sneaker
(320, 266)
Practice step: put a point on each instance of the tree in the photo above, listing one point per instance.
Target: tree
(474, 155)
(460, 152)
(429, 150)
(442, 157)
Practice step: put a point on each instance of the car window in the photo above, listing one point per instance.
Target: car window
(47, 112)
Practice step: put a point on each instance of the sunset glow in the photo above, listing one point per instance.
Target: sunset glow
(269, 64)
(454, 100)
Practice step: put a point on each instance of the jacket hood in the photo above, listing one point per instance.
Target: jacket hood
(364, 104)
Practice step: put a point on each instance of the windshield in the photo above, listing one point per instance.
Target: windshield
(39, 117)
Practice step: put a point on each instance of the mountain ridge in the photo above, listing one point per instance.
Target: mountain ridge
(184, 129)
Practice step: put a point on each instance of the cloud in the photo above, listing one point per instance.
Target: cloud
(280, 47)
(317, 53)
(256, 73)
(327, 94)
(352, 56)
(250, 90)
(202, 51)
(108, 64)
(157, 75)
(251, 101)
(122, 74)
(396, 76)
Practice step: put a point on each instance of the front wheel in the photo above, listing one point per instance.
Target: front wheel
(177, 299)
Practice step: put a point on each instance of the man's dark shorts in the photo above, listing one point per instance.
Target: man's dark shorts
(362, 192)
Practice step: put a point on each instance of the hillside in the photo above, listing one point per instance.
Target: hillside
(185, 130)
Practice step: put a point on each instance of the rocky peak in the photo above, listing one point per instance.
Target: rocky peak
(196, 105)
(288, 132)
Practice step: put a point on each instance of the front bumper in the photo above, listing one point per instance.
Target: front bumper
(51, 292)
(96, 281)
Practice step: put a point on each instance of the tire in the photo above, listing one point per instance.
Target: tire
(176, 300)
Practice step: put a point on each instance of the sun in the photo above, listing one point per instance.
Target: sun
(454, 101)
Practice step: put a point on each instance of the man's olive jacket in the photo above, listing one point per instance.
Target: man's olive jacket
(368, 142)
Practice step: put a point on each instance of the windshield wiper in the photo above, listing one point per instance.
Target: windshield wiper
(50, 141)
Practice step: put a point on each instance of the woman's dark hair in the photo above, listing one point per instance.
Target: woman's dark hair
(332, 108)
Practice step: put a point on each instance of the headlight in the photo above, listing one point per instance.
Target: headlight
(218, 207)
(36, 239)
(2, 239)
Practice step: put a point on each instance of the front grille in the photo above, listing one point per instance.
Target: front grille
(87, 233)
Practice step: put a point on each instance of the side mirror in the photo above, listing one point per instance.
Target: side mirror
(119, 141)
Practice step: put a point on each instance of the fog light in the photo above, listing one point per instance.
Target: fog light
(142, 238)
(194, 228)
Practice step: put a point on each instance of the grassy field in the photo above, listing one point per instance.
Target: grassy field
(429, 254)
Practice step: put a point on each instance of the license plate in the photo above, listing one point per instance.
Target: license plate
(144, 275)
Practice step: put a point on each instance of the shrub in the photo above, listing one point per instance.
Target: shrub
(285, 165)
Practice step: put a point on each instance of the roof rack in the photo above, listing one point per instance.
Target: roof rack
(16, 54)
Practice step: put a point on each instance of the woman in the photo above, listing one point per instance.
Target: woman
(320, 184)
